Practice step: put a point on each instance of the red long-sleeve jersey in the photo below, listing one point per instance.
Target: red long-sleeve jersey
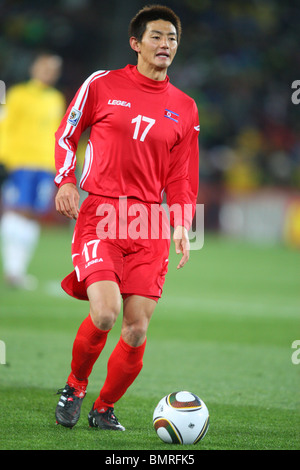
(143, 139)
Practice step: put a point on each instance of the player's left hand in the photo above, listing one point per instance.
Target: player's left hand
(182, 244)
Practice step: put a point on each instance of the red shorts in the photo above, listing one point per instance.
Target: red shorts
(114, 240)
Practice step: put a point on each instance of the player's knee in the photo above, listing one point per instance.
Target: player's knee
(105, 304)
(104, 316)
(137, 313)
(134, 334)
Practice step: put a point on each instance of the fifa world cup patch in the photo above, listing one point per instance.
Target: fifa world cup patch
(74, 117)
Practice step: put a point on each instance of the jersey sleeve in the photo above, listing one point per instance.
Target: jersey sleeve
(79, 116)
(183, 176)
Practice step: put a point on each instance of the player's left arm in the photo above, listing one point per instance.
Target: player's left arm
(182, 186)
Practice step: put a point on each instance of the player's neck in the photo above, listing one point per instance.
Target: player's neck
(151, 72)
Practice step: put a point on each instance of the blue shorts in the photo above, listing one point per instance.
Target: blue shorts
(31, 190)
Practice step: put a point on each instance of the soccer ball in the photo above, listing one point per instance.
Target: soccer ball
(181, 418)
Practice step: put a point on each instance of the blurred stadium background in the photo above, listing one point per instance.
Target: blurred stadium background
(237, 59)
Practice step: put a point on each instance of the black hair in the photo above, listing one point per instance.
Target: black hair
(149, 13)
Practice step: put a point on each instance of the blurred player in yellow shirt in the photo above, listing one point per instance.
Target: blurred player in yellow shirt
(30, 117)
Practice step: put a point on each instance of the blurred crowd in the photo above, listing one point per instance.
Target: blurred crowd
(237, 59)
(245, 56)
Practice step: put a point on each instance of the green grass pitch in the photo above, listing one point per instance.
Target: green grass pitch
(223, 330)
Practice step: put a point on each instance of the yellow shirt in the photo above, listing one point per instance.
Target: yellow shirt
(29, 119)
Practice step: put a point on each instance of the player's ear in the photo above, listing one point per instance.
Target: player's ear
(134, 44)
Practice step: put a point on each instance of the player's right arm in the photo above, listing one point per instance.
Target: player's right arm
(73, 124)
(79, 116)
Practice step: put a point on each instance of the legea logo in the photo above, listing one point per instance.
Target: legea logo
(126, 104)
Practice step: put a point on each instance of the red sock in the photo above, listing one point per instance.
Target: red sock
(87, 347)
(124, 365)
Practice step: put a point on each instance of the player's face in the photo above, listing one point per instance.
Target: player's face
(158, 45)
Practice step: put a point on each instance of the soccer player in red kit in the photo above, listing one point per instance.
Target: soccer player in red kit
(143, 143)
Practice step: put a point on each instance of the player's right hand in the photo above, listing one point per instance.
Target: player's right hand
(67, 201)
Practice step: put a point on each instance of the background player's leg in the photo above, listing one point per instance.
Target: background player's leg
(19, 236)
(27, 194)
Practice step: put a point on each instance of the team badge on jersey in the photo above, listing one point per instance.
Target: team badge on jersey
(171, 115)
(74, 117)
